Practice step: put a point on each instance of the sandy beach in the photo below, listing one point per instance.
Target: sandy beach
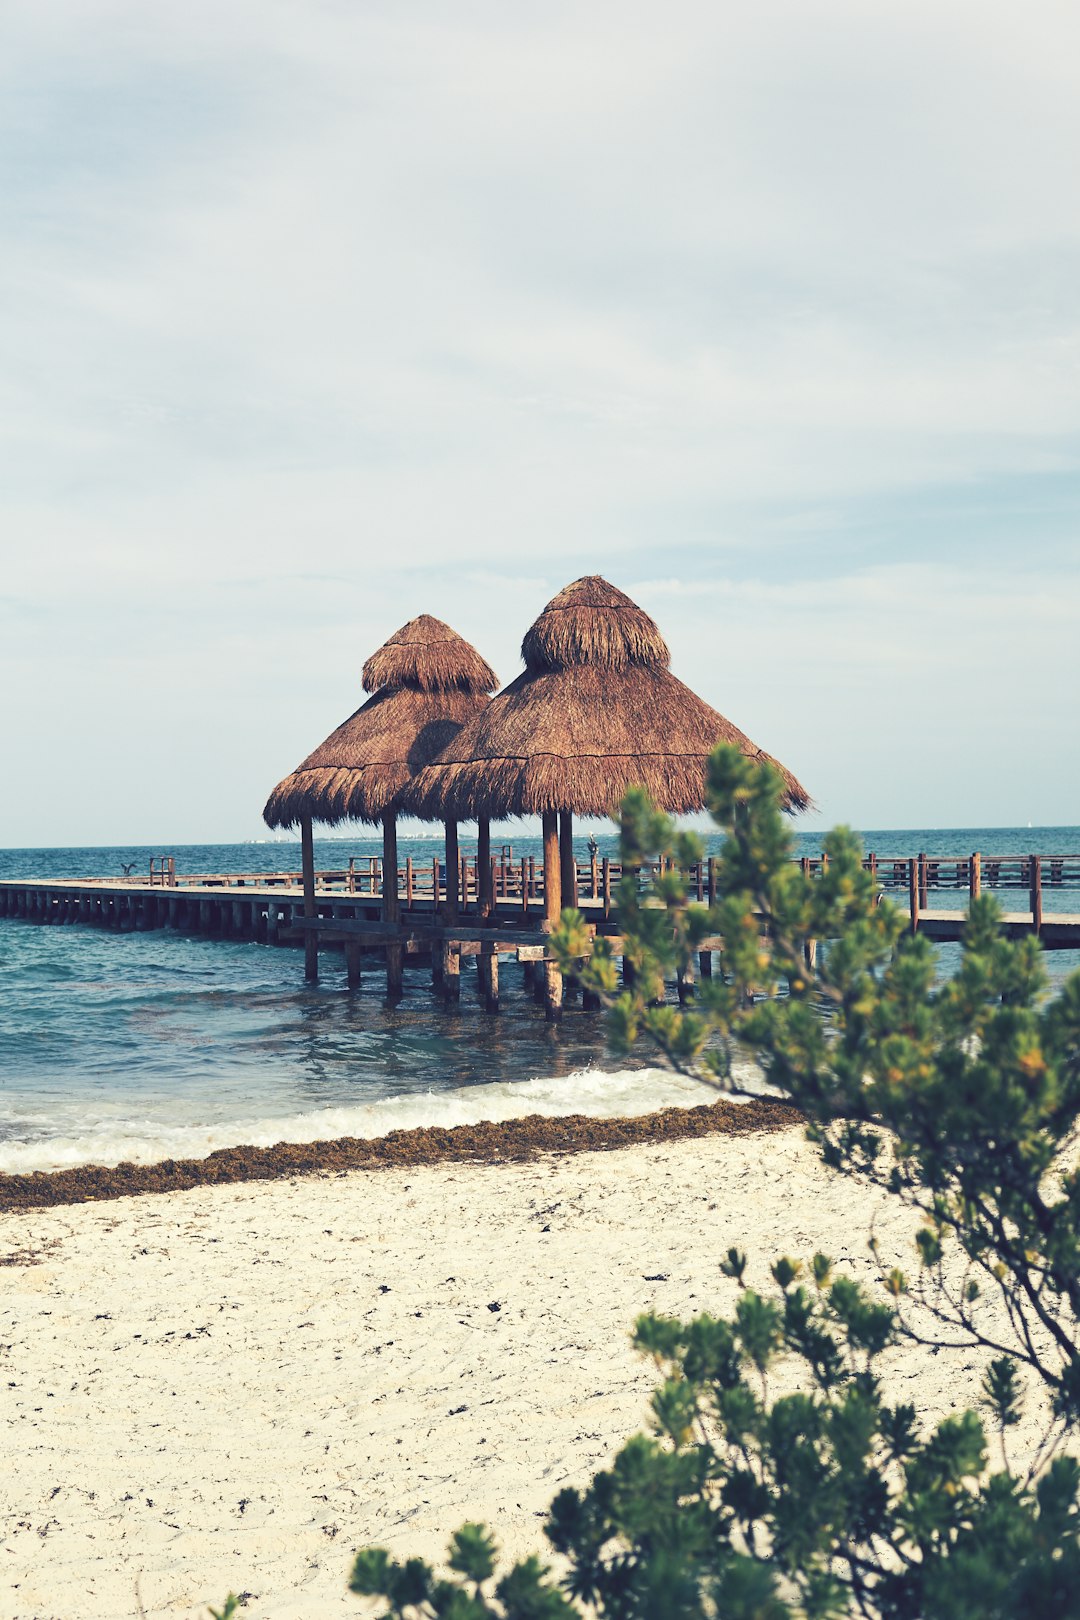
(234, 1387)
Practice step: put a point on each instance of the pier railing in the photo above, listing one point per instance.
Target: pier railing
(518, 882)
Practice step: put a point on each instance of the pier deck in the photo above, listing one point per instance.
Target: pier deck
(348, 908)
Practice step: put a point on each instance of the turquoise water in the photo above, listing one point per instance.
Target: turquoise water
(144, 1046)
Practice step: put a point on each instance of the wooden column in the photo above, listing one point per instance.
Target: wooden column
(1036, 894)
(391, 906)
(567, 863)
(451, 973)
(553, 985)
(485, 888)
(307, 861)
(452, 866)
(488, 964)
(975, 875)
(913, 892)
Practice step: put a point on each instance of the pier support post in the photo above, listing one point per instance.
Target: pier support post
(913, 892)
(307, 860)
(453, 865)
(391, 905)
(567, 863)
(1036, 895)
(352, 964)
(553, 986)
(488, 964)
(553, 992)
(975, 875)
(705, 964)
(451, 973)
(485, 896)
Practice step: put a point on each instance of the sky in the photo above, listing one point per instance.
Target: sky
(319, 314)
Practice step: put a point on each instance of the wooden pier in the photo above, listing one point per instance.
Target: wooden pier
(493, 914)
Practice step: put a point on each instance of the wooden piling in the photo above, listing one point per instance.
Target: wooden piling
(975, 875)
(705, 964)
(453, 864)
(553, 983)
(307, 861)
(1036, 895)
(451, 973)
(352, 964)
(391, 908)
(485, 884)
(924, 883)
(567, 863)
(913, 892)
(487, 964)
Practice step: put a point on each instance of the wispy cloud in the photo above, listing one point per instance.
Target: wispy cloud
(314, 313)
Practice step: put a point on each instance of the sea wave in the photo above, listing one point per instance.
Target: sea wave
(115, 1137)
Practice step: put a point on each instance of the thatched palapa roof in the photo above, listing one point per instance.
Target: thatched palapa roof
(426, 683)
(596, 711)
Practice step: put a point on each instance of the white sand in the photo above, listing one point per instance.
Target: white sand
(236, 1387)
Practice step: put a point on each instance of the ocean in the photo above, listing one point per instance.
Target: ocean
(148, 1046)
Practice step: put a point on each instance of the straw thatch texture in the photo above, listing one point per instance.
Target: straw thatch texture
(428, 656)
(576, 739)
(596, 712)
(427, 682)
(590, 622)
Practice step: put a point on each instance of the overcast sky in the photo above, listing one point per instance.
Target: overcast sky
(318, 314)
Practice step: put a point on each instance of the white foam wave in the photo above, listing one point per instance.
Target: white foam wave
(114, 1139)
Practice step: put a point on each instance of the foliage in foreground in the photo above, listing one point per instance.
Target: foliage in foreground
(962, 1098)
(824, 1502)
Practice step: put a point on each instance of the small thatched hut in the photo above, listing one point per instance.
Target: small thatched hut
(426, 682)
(596, 711)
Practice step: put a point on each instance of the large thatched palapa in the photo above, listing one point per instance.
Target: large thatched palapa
(426, 682)
(596, 711)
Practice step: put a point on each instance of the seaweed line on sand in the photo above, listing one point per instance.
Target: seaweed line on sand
(489, 1142)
